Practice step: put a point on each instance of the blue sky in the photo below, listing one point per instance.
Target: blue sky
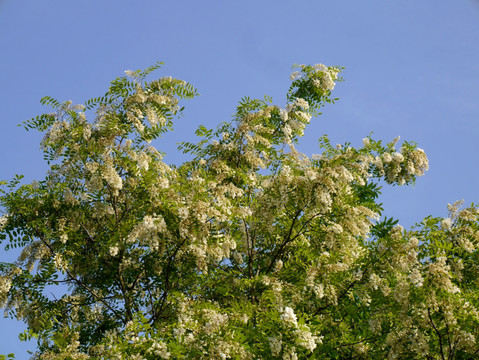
(412, 69)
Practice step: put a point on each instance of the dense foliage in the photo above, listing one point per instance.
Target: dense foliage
(251, 250)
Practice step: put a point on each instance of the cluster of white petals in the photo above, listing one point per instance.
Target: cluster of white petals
(112, 178)
(289, 317)
(3, 221)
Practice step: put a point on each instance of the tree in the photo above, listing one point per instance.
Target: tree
(250, 250)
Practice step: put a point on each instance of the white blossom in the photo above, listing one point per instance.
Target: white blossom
(294, 75)
(3, 222)
(112, 178)
(446, 224)
(305, 339)
(275, 345)
(289, 317)
(114, 251)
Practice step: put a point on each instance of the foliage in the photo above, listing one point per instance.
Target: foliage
(250, 250)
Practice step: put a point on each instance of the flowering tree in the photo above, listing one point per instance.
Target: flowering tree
(251, 250)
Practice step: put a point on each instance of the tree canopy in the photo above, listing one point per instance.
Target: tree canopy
(249, 250)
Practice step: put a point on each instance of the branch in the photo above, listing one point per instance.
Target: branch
(350, 286)
(250, 250)
(80, 283)
(437, 332)
(357, 342)
(125, 295)
(289, 239)
(448, 337)
(285, 242)
(164, 296)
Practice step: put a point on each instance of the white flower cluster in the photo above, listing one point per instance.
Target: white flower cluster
(275, 344)
(57, 131)
(152, 105)
(446, 224)
(290, 354)
(112, 178)
(135, 119)
(3, 222)
(326, 78)
(440, 273)
(130, 73)
(295, 117)
(142, 158)
(305, 339)
(466, 244)
(87, 128)
(289, 317)
(5, 285)
(237, 257)
(59, 262)
(466, 341)
(114, 251)
(416, 278)
(402, 166)
(301, 103)
(159, 348)
(154, 118)
(323, 77)
(221, 248)
(215, 320)
(417, 162)
(149, 230)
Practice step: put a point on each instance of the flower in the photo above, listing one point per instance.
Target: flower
(112, 178)
(302, 103)
(278, 265)
(294, 75)
(114, 251)
(446, 224)
(306, 339)
(289, 317)
(5, 285)
(275, 345)
(159, 349)
(283, 114)
(238, 258)
(416, 278)
(397, 157)
(3, 222)
(395, 141)
(387, 158)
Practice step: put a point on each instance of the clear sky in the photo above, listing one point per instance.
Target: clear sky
(412, 69)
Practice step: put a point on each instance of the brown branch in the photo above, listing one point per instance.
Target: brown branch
(437, 332)
(453, 351)
(344, 293)
(249, 247)
(164, 296)
(448, 338)
(285, 242)
(79, 282)
(125, 295)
